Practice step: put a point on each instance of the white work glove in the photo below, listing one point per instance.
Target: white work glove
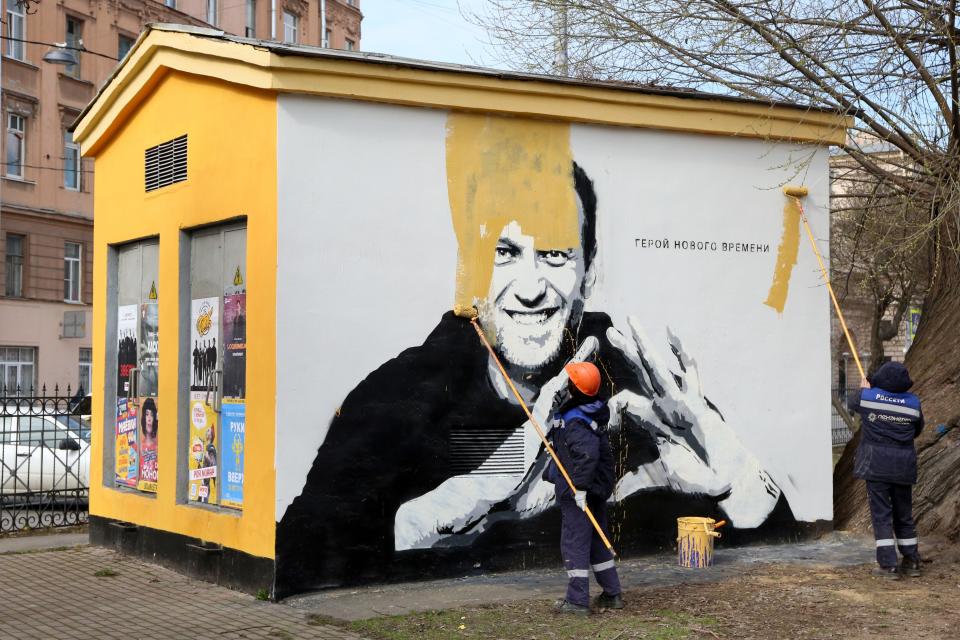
(581, 499)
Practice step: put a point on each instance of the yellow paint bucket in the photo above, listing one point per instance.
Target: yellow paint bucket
(695, 541)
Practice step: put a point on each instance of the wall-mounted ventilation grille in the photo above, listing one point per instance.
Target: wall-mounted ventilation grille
(487, 451)
(165, 164)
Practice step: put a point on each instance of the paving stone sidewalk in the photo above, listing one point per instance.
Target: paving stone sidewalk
(56, 594)
(834, 550)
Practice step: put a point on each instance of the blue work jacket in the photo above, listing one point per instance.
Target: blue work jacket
(891, 420)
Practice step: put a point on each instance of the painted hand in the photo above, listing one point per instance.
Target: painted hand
(581, 499)
(699, 452)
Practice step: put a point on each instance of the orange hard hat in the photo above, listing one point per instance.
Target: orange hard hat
(585, 376)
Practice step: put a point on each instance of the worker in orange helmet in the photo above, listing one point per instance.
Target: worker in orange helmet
(581, 443)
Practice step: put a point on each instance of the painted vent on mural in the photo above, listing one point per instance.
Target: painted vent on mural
(165, 164)
(487, 451)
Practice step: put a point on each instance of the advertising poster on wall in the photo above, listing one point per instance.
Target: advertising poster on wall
(149, 428)
(127, 458)
(148, 349)
(202, 457)
(234, 426)
(204, 331)
(126, 346)
(235, 345)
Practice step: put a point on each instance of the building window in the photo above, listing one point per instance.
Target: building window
(212, 12)
(74, 324)
(71, 162)
(86, 363)
(124, 44)
(15, 30)
(14, 265)
(352, 3)
(16, 135)
(74, 40)
(71, 272)
(349, 45)
(17, 369)
(170, 3)
(251, 29)
(326, 38)
(291, 27)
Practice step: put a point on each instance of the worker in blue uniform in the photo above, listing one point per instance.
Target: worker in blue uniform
(582, 445)
(887, 460)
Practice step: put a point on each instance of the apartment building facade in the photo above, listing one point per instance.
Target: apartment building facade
(46, 188)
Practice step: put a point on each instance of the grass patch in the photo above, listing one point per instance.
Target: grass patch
(534, 621)
(105, 573)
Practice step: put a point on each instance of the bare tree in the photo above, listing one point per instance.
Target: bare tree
(890, 64)
(878, 261)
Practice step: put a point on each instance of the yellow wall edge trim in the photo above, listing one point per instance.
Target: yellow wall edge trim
(257, 67)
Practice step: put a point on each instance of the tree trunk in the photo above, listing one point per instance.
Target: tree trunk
(934, 364)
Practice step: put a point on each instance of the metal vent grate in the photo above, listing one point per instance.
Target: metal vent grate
(165, 164)
(487, 451)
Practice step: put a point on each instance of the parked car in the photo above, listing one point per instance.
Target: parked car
(42, 456)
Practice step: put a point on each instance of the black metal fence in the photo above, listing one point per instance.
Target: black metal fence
(839, 431)
(44, 459)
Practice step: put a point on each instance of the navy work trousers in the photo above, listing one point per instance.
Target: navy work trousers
(891, 509)
(583, 550)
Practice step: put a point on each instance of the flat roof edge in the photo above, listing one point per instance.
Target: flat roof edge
(288, 68)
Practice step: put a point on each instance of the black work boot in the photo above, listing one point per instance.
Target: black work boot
(606, 601)
(888, 573)
(910, 567)
(562, 606)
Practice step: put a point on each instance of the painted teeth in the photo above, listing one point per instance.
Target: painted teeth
(529, 318)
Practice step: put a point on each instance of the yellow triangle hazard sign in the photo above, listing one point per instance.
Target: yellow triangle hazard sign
(237, 278)
(153, 291)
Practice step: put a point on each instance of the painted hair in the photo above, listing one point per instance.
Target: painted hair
(149, 405)
(588, 200)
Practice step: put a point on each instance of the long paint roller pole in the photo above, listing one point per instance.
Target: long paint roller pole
(801, 192)
(472, 315)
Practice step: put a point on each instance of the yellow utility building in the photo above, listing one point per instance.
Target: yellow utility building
(281, 232)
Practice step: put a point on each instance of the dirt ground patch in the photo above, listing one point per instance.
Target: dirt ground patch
(770, 602)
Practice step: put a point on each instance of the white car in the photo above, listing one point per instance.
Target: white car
(42, 456)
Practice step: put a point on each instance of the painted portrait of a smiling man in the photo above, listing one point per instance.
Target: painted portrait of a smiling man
(430, 456)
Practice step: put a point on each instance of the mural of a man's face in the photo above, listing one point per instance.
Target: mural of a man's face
(533, 293)
(519, 222)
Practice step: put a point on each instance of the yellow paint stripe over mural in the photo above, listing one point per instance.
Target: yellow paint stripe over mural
(786, 256)
(503, 170)
(444, 89)
(231, 173)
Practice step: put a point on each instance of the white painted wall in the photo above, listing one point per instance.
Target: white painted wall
(367, 257)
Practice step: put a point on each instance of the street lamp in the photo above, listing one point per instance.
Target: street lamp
(59, 54)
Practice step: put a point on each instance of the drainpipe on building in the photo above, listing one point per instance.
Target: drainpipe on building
(323, 24)
(273, 19)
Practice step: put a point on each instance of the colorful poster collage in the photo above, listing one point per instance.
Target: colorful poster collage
(147, 387)
(138, 331)
(234, 389)
(202, 456)
(203, 449)
(234, 426)
(127, 454)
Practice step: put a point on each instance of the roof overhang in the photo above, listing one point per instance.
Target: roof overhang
(162, 49)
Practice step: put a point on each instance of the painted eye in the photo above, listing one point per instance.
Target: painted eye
(504, 254)
(555, 258)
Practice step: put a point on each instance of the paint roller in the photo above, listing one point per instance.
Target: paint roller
(798, 192)
(470, 313)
